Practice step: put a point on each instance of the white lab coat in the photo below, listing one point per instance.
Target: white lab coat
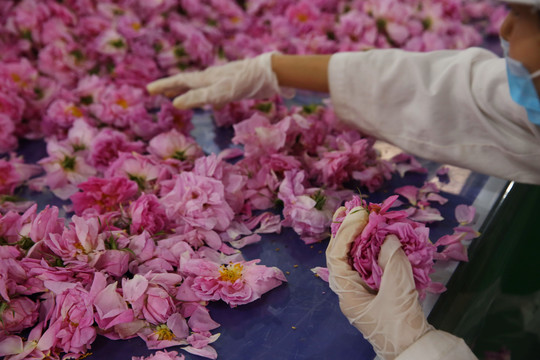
(449, 106)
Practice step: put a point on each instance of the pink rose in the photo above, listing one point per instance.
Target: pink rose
(175, 145)
(72, 319)
(199, 201)
(46, 223)
(147, 213)
(414, 237)
(108, 144)
(103, 195)
(9, 178)
(8, 141)
(150, 301)
(112, 261)
(111, 308)
(235, 283)
(18, 314)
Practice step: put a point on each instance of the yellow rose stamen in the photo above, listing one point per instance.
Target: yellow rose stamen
(122, 102)
(231, 272)
(163, 332)
(16, 78)
(74, 110)
(302, 17)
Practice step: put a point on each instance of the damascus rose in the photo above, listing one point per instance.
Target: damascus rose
(72, 317)
(414, 237)
(103, 195)
(19, 314)
(148, 214)
(199, 201)
(236, 283)
(14, 172)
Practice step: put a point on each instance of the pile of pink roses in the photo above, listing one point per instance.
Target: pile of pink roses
(72, 283)
(51, 50)
(409, 226)
(413, 235)
(158, 223)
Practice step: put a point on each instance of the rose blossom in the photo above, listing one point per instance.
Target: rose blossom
(17, 315)
(35, 347)
(112, 261)
(80, 135)
(8, 141)
(172, 333)
(60, 117)
(169, 116)
(144, 170)
(198, 200)
(111, 308)
(65, 170)
(110, 42)
(149, 300)
(108, 144)
(147, 213)
(235, 283)
(46, 223)
(103, 195)
(381, 223)
(118, 105)
(259, 136)
(54, 60)
(78, 241)
(335, 166)
(72, 318)
(174, 145)
(14, 172)
(307, 211)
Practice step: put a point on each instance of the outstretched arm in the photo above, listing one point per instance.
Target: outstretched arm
(307, 72)
(257, 78)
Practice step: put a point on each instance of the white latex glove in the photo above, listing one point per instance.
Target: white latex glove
(218, 85)
(392, 319)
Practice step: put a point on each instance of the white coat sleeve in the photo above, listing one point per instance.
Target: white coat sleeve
(450, 106)
(437, 345)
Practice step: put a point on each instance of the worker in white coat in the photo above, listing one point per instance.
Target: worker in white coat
(467, 108)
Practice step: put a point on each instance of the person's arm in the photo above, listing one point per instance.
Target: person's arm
(257, 78)
(307, 72)
(449, 106)
(453, 107)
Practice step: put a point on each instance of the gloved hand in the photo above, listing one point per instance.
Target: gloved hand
(392, 319)
(218, 85)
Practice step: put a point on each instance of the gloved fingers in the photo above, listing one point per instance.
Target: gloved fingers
(397, 279)
(339, 213)
(173, 93)
(343, 279)
(337, 252)
(353, 305)
(397, 299)
(389, 247)
(197, 98)
(178, 83)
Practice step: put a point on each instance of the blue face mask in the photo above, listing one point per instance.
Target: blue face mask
(521, 85)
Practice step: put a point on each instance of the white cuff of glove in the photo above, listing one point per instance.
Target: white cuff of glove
(437, 345)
